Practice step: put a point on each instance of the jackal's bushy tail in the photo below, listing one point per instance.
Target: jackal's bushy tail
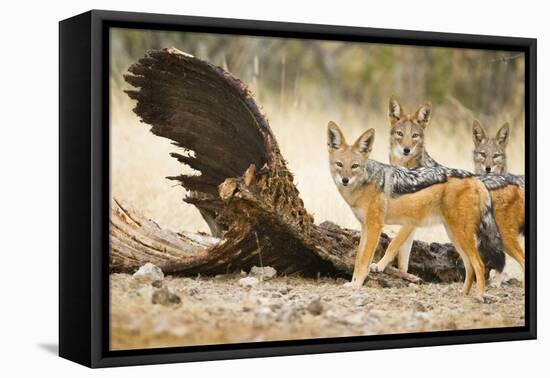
(489, 240)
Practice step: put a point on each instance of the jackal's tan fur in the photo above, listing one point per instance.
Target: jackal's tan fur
(456, 203)
(508, 202)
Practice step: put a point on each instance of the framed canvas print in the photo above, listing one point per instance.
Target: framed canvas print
(233, 188)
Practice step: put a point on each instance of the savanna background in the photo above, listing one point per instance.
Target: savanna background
(301, 85)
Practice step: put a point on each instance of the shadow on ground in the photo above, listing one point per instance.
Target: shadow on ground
(51, 348)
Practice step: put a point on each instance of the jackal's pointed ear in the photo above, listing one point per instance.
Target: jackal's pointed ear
(423, 114)
(395, 110)
(503, 135)
(365, 142)
(478, 132)
(335, 137)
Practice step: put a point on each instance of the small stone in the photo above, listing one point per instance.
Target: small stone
(376, 314)
(374, 284)
(179, 330)
(148, 273)
(192, 291)
(165, 297)
(419, 307)
(263, 301)
(513, 282)
(248, 282)
(383, 283)
(361, 302)
(355, 319)
(266, 273)
(289, 313)
(264, 310)
(315, 307)
(486, 298)
(158, 284)
(161, 325)
(262, 316)
(285, 290)
(358, 300)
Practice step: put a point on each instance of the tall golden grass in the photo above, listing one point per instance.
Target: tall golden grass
(140, 161)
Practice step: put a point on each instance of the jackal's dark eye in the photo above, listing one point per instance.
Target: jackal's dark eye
(354, 166)
(496, 156)
(339, 164)
(399, 133)
(416, 135)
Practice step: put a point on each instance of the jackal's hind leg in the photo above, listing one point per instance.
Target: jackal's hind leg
(474, 261)
(469, 280)
(405, 254)
(479, 268)
(496, 278)
(465, 243)
(512, 247)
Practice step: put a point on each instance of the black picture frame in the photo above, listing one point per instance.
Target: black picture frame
(84, 188)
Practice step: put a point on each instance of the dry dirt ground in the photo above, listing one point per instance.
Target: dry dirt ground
(178, 311)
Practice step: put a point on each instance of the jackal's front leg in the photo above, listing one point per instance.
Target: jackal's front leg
(370, 236)
(397, 242)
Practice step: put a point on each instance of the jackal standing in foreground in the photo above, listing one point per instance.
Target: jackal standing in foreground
(381, 194)
(407, 149)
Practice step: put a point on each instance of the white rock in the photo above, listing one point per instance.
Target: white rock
(265, 273)
(315, 307)
(356, 319)
(361, 302)
(264, 310)
(148, 273)
(249, 281)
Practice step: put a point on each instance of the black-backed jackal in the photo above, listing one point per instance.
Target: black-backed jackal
(490, 153)
(508, 200)
(381, 194)
(407, 149)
